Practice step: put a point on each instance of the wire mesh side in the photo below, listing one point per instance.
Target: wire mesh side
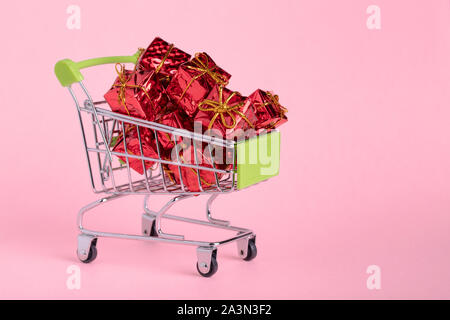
(129, 156)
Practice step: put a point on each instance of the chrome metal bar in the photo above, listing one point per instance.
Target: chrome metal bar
(94, 110)
(208, 224)
(197, 165)
(109, 160)
(214, 167)
(168, 240)
(181, 164)
(109, 137)
(84, 137)
(130, 181)
(161, 212)
(160, 164)
(93, 205)
(144, 169)
(208, 212)
(97, 145)
(234, 169)
(104, 170)
(178, 162)
(163, 128)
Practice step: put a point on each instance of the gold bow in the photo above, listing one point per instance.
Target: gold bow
(123, 84)
(203, 68)
(123, 80)
(220, 107)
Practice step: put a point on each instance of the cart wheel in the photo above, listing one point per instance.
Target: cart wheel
(92, 253)
(251, 251)
(212, 269)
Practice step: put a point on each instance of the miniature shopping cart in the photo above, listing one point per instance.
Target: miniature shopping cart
(114, 178)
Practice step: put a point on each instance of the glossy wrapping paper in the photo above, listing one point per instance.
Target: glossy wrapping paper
(190, 176)
(163, 58)
(226, 113)
(133, 148)
(137, 94)
(169, 88)
(269, 113)
(194, 80)
(174, 120)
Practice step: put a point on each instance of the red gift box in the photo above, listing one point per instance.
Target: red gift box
(133, 147)
(226, 113)
(163, 58)
(191, 176)
(194, 80)
(174, 120)
(137, 93)
(269, 113)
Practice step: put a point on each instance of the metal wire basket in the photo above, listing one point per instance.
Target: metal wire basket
(110, 172)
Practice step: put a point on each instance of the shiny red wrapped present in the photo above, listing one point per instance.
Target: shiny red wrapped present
(269, 113)
(194, 80)
(174, 120)
(133, 147)
(226, 113)
(137, 93)
(163, 58)
(191, 176)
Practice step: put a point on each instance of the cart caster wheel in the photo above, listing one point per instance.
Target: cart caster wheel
(251, 251)
(91, 255)
(212, 269)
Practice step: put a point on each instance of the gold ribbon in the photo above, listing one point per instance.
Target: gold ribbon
(123, 84)
(123, 80)
(203, 68)
(158, 68)
(161, 64)
(169, 173)
(168, 138)
(220, 107)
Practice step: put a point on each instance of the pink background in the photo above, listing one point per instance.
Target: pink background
(365, 155)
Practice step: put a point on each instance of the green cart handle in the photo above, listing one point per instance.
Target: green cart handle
(68, 71)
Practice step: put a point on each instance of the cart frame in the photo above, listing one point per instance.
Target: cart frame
(104, 175)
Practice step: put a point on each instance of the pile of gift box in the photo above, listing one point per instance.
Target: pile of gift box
(170, 87)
